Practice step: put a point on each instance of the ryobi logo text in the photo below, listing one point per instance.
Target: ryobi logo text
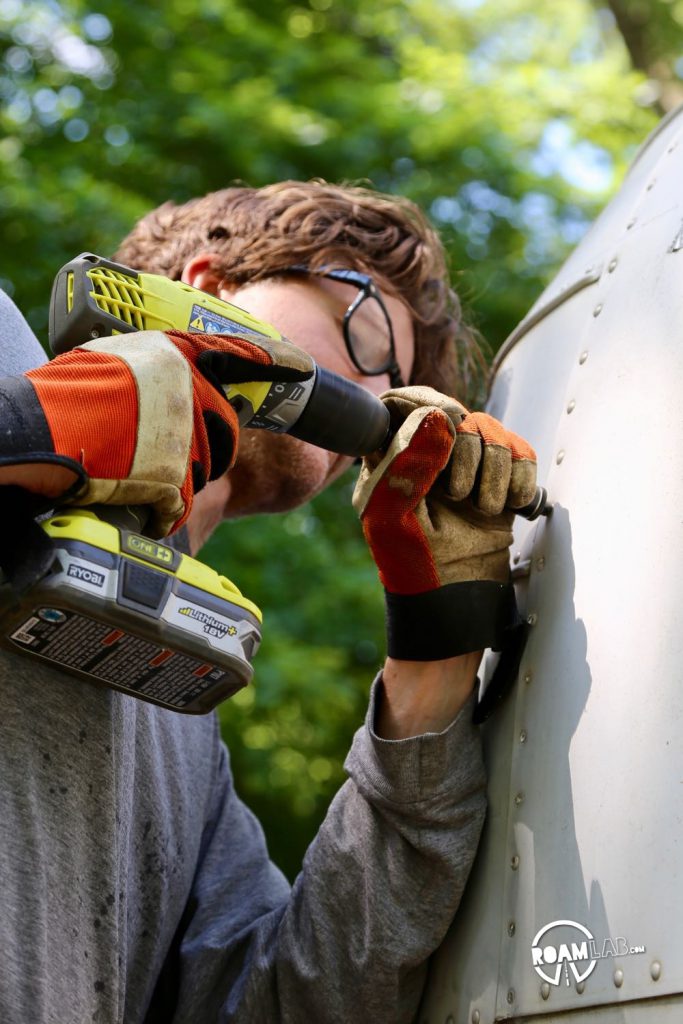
(571, 946)
(79, 572)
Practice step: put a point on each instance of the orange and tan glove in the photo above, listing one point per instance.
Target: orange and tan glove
(138, 419)
(436, 513)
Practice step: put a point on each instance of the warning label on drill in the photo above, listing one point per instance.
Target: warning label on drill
(205, 321)
(121, 659)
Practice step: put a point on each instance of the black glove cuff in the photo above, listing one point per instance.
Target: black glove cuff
(24, 427)
(25, 438)
(452, 620)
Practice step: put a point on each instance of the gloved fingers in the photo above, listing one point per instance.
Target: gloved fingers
(492, 466)
(236, 359)
(402, 401)
(221, 432)
(494, 480)
(523, 482)
(387, 489)
(481, 473)
(464, 467)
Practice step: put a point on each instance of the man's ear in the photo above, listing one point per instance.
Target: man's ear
(201, 272)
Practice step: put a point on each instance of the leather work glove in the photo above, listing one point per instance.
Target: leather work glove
(138, 419)
(435, 510)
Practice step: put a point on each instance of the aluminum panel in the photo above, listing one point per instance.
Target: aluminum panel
(586, 757)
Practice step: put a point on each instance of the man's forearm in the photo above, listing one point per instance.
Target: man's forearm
(424, 696)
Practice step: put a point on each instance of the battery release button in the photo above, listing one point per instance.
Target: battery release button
(142, 585)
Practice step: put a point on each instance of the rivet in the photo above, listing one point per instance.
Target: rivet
(528, 676)
(516, 557)
(545, 990)
(581, 987)
(650, 185)
(476, 1016)
(511, 928)
(611, 267)
(532, 618)
(522, 736)
(582, 358)
(519, 799)
(540, 564)
(655, 970)
(560, 456)
(571, 405)
(598, 309)
(631, 223)
(514, 862)
(618, 977)
(511, 996)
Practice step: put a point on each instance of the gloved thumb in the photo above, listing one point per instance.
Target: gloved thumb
(392, 486)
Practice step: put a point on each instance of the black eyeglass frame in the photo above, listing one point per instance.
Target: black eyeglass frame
(366, 289)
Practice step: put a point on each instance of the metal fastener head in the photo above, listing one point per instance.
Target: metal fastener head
(581, 987)
(598, 309)
(571, 405)
(532, 618)
(583, 357)
(476, 1016)
(545, 990)
(514, 862)
(655, 970)
(611, 267)
(511, 928)
(522, 736)
(618, 977)
(516, 557)
(560, 456)
(528, 676)
(540, 564)
(519, 799)
(511, 996)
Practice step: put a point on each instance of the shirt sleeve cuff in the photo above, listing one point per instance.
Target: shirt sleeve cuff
(445, 766)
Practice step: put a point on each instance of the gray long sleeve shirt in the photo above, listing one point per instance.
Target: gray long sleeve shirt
(136, 886)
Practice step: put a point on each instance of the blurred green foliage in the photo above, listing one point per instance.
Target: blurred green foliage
(508, 121)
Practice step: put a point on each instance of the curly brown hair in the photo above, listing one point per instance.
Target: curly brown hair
(254, 233)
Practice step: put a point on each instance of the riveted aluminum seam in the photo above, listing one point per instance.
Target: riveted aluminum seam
(463, 970)
(566, 440)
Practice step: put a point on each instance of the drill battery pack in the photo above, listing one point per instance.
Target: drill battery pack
(135, 615)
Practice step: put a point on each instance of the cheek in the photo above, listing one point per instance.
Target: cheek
(276, 472)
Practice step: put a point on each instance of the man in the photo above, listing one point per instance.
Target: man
(136, 886)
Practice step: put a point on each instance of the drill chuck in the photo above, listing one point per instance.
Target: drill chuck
(342, 417)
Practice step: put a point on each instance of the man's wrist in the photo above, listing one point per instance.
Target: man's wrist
(424, 696)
